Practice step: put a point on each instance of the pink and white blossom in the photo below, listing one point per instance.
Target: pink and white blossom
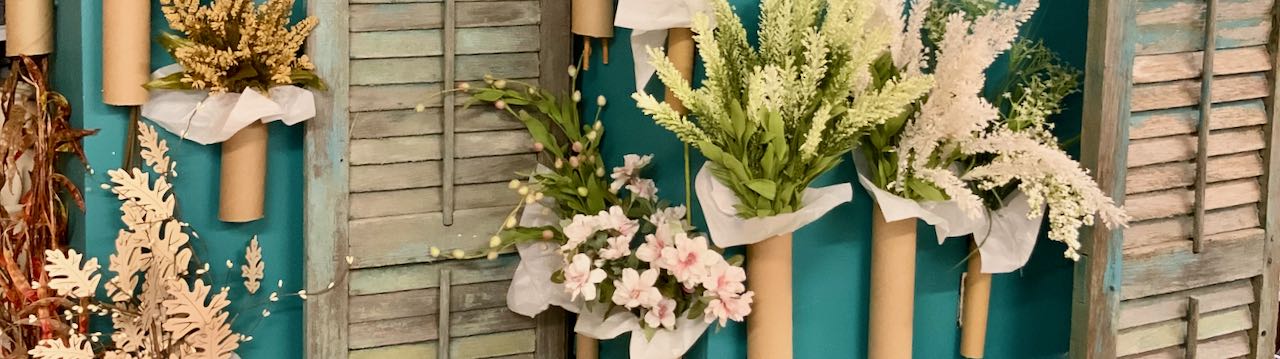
(687, 259)
(579, 229)
(631, 165)
(643, 188)
(651, 250)
(725, 280)
(616, 219)
(580, 278)
(724, 309)
(619, 247)
(636, 289)
(662, 315)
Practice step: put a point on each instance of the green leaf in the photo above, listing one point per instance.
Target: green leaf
(488, 95)
(696, 309)
(737, 118)
(926, 191)
(766, 188)
(172, 82)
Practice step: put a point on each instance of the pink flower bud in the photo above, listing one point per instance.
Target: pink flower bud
(573, 162)
(547, 234)
(538, 147)
(577, 146)
(463, 86)
(500, 104)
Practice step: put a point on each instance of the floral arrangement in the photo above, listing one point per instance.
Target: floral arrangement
(161, 303)
(591, 217)
(37, 136)
(231, 45)
(957, 144)
(772, 120)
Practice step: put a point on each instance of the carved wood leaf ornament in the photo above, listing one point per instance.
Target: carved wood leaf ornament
(204, 326)
(68, 277)
(253, 269)
(155, 151)
(78, 348)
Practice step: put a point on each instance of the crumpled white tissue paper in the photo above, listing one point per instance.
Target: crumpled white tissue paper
(649, 21)
(727, 229)
(207, 118)
(1006, 248)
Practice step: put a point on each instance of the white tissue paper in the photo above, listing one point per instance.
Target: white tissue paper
(1007, 247)
(532, 292)
(211, 118)
(727, 229)
(649, 21)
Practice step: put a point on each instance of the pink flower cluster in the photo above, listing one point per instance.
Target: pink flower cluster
(628, 176)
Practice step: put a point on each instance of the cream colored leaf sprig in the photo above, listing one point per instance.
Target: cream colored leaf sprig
(68, 277)
(253, 269)
(79, 348)
(155, 151)
(202, 326)
(135, 186)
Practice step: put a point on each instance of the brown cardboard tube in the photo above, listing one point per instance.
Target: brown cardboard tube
(680, 51)
(586, 348)
(126, 51)
(592, 18)
(28, 27)
(769, 276)
(244, 174)
(977, 301)
(893, 274)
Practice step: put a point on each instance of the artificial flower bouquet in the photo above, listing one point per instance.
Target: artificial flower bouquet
(576, 234)
(237, 69)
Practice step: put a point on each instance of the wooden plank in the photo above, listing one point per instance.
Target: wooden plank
(449, 139)
(1175, 202)
(1158, 231)
(1155, 12)
(1182, 174)
(423, 328)
(425, 148)
(1171, 333)
(1182, 148)
(423, 275)
(425, 200)
(1183, 93)
(1185, 37)
(405, 1)
(326, 175)
(1179, 121)
(402, 97)
(419, 43)
(479, 346)
(409, 122)
(1143, 311)
(405, 70)
(408, 175)
(417, 16)
(1173, 267)
(420, 302)
(407, 239)
(1104, 135)
(1187, 65)
(1268, 284)
(1228, 346)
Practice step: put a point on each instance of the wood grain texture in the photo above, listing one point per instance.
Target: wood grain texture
(1230, 344)
(423, 302)
(426, 200)
(1182, 174)
(407, 239)
(1172, 267)
(1154, 232)
(1176, 202)
(1167, 26)
(478, 346)
(1268, 284)
(428, 69)
(382, 124)
(1180, 121)
(427, 15)
(409, 175)
(1183, 148)
(1234, 345)
(326, 175)
(423, 328)
(425, 148)
(1183, 93)
(1156, 12)
(1155, 309)
(480, 40)
(402, 97)
(1187, 65)
(425, 275)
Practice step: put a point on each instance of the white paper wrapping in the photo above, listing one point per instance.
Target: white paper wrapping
(649, 21)
(211, 118)
(532, 292)
(727, 229)
(1011, 236)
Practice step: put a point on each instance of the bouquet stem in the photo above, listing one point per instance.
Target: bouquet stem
(244, 174)
(893, 273)
(769, 276)
(977, 299)
(586, 347)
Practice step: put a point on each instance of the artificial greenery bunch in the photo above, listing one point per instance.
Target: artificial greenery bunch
(232, 45)
(772, 120)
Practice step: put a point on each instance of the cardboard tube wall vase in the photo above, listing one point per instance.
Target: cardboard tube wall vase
(976, 303)
(244, 174)
(893, 274)
(126, 51)
(28, 27)
(586, 347)
(769, 276)
(593, 19)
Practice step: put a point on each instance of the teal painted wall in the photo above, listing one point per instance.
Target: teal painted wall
(77, 74)
(1030, 311)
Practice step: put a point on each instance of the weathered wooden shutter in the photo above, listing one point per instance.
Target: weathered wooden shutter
(1193, 275)
(386, 182)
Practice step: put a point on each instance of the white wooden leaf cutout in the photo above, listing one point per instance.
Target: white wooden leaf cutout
(68, 277)
(253, 269)
(154, 150)
(57, 349)
(136, 186)
(203, 326)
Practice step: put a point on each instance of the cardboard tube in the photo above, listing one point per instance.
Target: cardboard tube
(893, 274)
(680, 51)
(977, 301)
(28, 27)
(586, 348)
(593, 18)
(244, 174)
(769, 276)
(126, 51)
